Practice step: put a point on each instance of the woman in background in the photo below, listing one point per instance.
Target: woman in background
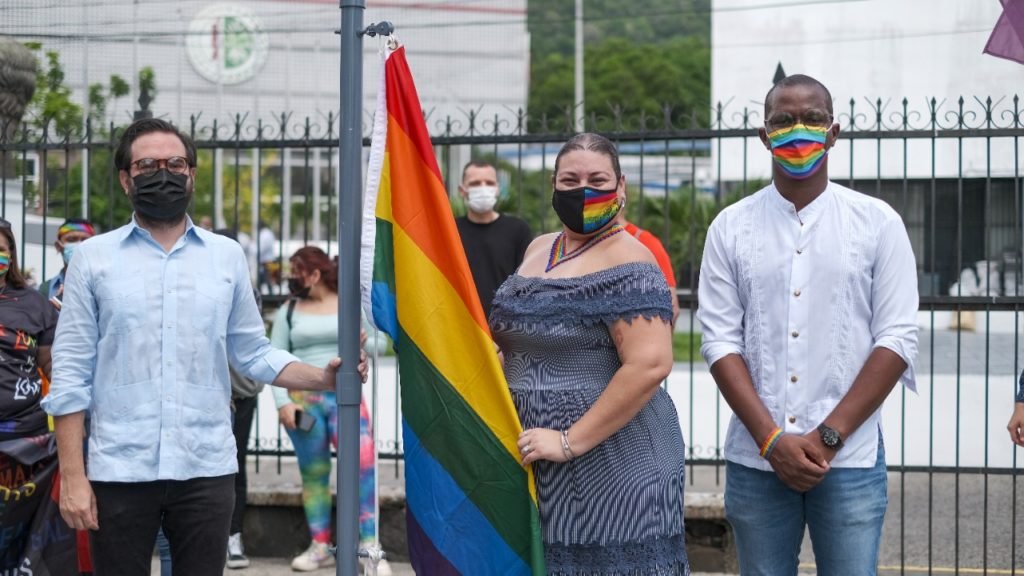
(28, 452)
(308, 327)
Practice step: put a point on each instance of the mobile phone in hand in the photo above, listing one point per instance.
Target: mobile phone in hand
(304, 421)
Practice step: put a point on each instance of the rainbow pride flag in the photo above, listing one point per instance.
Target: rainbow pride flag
(472, 507)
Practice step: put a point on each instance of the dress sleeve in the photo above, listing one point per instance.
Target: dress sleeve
(628, 293)
(624, 292)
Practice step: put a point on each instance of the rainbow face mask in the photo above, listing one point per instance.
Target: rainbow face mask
(799, 150)
(585, 210)
(5, 263)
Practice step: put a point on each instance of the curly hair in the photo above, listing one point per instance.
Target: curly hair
(310, 258)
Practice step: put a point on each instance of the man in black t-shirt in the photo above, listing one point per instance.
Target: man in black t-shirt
(494, 243)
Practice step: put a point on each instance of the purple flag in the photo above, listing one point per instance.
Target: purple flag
(1007, 39)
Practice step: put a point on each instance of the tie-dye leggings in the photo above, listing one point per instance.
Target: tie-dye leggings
(313, 450)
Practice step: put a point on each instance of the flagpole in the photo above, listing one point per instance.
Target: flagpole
(350, 200)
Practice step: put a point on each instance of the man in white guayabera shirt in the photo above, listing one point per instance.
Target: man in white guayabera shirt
(808, 302)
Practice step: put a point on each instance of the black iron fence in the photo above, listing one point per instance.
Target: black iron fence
(950, 168)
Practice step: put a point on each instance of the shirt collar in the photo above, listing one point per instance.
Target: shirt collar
(810, 213)
(191, 230)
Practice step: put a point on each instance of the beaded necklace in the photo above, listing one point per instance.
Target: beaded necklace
(560, 256)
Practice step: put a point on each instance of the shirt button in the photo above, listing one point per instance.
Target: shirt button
(794, 334)
(792, 419)
(796, 293)
(793, 379)
(799, 251)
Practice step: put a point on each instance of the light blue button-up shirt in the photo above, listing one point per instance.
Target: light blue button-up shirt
(143, 343)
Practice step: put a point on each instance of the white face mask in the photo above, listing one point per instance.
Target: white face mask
(482, 198)
(68, 251)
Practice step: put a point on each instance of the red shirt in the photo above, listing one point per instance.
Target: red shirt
(654, 245)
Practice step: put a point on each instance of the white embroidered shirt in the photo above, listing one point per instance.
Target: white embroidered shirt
(804, 298)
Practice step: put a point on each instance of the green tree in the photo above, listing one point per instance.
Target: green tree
(108, 205)
(101, 96)
(51, 108)
(639, 57)
(551, 23)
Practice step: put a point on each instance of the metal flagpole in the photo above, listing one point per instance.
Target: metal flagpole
(350, 209)
(580, 103)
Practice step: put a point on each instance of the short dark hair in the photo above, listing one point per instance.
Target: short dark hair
(477, 163)
(796, 80)
(123, 155)
(594, 143)
(14, 276)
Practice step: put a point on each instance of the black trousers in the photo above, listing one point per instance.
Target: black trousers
(244, 409)
(195, 515)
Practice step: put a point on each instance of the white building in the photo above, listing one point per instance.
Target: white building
(268, 57)
(865, 50)
(268, 60)
(871, 50)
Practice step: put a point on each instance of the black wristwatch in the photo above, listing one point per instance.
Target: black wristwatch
(829, 437)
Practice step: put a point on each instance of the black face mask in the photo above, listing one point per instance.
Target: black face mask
(297, 289)
(162, 197)
(585, 210)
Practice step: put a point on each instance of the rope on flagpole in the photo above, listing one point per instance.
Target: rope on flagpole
(375, 552)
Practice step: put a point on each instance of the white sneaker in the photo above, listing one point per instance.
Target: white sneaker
(315, 557)
(383, 568)
(236, 553)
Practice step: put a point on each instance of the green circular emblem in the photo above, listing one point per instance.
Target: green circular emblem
(226, 43)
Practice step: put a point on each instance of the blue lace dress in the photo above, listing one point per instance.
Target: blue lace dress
(618, 509)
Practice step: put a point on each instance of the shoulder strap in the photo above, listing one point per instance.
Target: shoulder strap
(288, 318)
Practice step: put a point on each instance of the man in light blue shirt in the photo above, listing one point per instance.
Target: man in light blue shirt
(152, 314)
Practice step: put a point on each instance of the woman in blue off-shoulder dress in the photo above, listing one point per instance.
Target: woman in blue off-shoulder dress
(584, 328)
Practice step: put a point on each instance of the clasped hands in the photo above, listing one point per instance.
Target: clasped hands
(801, 462)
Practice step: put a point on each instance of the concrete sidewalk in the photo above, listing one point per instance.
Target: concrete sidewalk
(282, 567)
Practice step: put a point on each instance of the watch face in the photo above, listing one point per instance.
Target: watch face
(829, 437)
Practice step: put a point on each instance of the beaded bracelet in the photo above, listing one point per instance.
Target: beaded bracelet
(566, 449)
(769, 443)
